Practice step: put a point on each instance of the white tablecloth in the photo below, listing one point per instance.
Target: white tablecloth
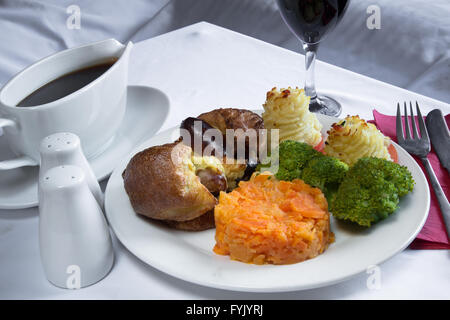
(200, 68)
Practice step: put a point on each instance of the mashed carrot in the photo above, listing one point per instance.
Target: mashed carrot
(269, 221)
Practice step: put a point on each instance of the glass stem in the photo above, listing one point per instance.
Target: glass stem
(310, 61)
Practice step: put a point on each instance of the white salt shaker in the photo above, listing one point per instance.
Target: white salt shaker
(64, 148)
(74, 239)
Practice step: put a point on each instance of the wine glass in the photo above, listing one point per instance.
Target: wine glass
(310, 21)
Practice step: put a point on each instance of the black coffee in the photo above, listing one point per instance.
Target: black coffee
(66, 84)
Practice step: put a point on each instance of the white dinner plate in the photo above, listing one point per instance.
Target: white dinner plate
(189, 255)
(147, 109)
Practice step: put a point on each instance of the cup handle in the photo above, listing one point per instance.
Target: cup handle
(7, 123)
(17, 162)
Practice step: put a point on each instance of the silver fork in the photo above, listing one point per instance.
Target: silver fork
(420, 146)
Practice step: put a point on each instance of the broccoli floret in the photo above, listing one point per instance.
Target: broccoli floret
(298, 160)
(287, 175)
(300, 153)
(323, 172)
(371, 190)
(330, 192)
(292, 157)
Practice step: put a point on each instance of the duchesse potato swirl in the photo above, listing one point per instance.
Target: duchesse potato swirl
(288, 111)
(353, 138)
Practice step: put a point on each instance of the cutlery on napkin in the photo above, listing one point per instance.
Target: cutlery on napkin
(440, 137)
(433, 234)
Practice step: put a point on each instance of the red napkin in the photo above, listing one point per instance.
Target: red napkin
(433, 234)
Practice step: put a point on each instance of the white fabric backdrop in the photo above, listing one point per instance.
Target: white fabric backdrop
(411, 50)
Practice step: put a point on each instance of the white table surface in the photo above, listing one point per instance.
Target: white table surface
(202, 67)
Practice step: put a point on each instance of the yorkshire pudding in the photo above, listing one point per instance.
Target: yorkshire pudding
(242, 121)
(172, 183)
(231, 118)
(161, 184)
(204, 222)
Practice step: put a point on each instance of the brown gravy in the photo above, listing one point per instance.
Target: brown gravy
(66, 84)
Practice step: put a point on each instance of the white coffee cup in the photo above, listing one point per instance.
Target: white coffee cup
(94, 112)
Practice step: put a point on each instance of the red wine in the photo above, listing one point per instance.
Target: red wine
(310, 20)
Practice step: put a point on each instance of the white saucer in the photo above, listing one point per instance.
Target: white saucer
(147, 109)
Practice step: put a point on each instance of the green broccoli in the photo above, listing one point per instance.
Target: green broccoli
(292, 157)
(324, 172)
(286, 174)
(371, 191)
(299, 160)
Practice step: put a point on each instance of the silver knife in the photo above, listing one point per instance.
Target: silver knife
(439, 135)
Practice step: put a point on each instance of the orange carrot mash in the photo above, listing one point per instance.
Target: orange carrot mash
(269, 221)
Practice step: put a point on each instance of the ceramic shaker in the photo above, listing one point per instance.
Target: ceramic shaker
(74, 239)
(64, 148)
